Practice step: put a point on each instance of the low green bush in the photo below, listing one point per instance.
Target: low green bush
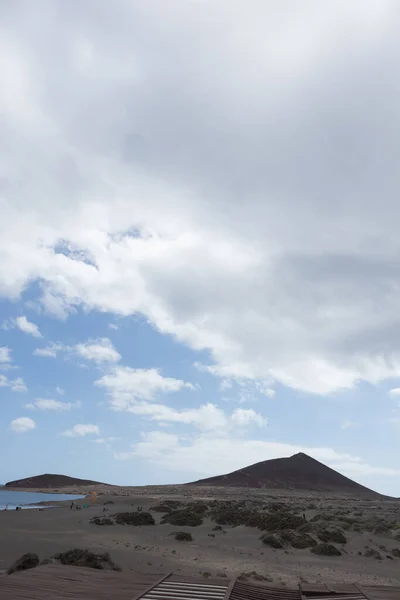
(134, 518)
(183, 536)
(26, 561)
(332, 535)
(326, 550)
(271, 540)
(183, 518)
(86, 558)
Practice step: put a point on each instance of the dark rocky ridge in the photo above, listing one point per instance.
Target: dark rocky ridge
(298, 472)
(49, 480)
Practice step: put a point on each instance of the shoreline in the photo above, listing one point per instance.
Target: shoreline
(12, 499)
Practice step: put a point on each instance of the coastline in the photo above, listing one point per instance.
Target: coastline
(12, 499)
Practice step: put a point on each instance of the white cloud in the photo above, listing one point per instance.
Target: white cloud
(49, 404)
(113, 326)
(225, 384)
(60, 391)
(49, 351)
(395, 392)
(207, 417)
(153, 444)
(204, 455)
(98, 351)
(242, 389)
(22, 425)
(106, 440)
(357, 469)
(80, 430)
(5, 354)
(28, 327)
(144, 210)
(16, 385)
(243, 418)
(249, 391)
(126, 385)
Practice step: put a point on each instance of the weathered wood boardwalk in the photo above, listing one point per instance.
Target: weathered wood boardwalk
(70, 583)
(58, 582)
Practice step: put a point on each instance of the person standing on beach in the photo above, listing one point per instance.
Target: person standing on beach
(72, 506)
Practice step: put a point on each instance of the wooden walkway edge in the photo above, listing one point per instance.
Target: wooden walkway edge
(59, 582)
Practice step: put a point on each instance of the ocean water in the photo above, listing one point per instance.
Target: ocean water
(21, 499)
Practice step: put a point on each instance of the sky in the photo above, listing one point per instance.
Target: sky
(199, 237)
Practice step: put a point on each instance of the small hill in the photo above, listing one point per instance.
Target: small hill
(298, 472)
(49, 480)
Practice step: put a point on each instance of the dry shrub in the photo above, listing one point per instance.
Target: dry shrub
(332, 535)
(183, 518)
(183, 536)
(86, 558)
(298, 540)
(326, 550)
(281, 520)
(271, 540)
(134, 518)
(162, 508)
(174, 504)
(26, 561)
(101, 521)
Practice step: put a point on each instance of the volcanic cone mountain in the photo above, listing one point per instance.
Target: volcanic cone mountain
(49, 480)
(298, 472)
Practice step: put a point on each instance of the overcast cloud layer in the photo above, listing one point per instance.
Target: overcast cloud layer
(228, 170)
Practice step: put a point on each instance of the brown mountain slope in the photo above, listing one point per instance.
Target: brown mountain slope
(49, 480)
(298, 472)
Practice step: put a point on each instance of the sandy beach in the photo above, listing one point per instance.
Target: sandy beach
(228, 551)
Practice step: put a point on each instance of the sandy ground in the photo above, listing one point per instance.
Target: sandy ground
(239, 549)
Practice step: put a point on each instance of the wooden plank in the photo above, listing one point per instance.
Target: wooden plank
(230, 588)
(380, 592)
(151, 586)
(246, 591)
(314, 589)
(64, 582)
(199, 580)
